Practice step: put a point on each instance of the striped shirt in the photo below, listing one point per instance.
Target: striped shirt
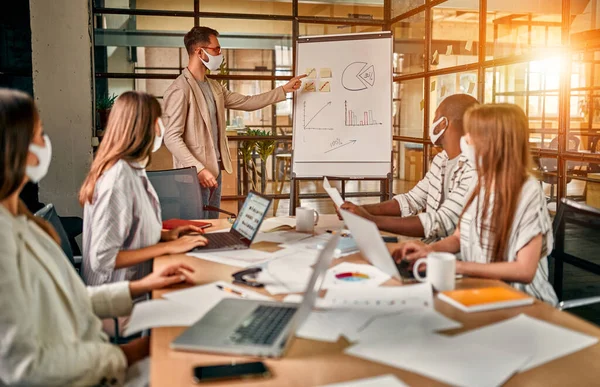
(531, 219)
(441, 211)
(125, 215)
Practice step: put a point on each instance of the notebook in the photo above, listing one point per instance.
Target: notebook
(478, 300)
(174, 223)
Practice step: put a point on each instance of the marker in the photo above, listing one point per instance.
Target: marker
(344, 234)
(232, 291)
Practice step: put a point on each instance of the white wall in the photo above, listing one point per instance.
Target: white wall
(62, 83)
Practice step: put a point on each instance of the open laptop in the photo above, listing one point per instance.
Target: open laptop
(367, 237)
(255, 328)
(244, 229)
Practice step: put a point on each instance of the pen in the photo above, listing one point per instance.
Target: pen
(233, 291)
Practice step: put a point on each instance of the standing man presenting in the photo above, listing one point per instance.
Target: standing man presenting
(194, 114)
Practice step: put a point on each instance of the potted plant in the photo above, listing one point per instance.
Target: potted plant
(246, 149)
(264, 148)
(103, 106)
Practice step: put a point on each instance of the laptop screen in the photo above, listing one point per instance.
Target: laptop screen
(250, 217)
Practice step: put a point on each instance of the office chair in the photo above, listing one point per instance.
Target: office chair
(179, 194)
(574, 217)
(550, 165)
(48, 213)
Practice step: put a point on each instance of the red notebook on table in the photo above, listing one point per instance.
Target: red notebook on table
(174, 223)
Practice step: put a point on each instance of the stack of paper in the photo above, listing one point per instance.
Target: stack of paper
(440, 358)
(183, 307)
(239, 258)
(381, 298)
(161, 313)
(310, 244)
(542, 341)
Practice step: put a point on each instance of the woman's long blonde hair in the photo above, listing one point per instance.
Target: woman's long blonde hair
(129, 136)
(500, 134)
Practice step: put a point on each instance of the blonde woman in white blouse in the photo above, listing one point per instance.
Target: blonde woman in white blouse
(505, 231)
(50, 333)
(122, 228)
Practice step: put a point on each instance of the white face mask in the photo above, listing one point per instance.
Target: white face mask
(435, 137)
(214, 61)
(44, 154)
(467, 150)
(159, 139)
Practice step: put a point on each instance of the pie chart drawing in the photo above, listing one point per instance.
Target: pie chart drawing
(358, 76)
(352, 277)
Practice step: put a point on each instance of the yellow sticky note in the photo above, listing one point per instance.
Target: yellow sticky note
(325, 72)
(432, 89)
(469, 45)
(422, 104)
(471, 88)
(449, 50)
(443, 91)
(325, 86)
(311, 73)
(309, 86)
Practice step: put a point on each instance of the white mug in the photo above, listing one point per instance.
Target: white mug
(306, 219)
(441, 270)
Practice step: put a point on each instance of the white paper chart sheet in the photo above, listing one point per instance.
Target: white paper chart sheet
(343, 112)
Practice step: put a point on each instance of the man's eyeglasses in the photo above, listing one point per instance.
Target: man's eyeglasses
(216, 50)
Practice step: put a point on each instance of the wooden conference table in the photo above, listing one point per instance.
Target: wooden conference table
(314, 363)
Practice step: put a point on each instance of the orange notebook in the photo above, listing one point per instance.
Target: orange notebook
(478, 300)
(174, 223)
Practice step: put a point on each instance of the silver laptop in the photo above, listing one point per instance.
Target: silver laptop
(255, 328)
(371, 245)
(244, 229)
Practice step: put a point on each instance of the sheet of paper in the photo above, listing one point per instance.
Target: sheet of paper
(404, 323)
(204, 297)
(277, 223)
(161, 313)
(524, 334)
(239, 258)
(308, 244)
(333, 193)
(449, 50)
(469, 45)
(280, 237)
(381, 298)
(319, 326)
(376, 381)
(288, 274)
(439, 358)
(354, 275)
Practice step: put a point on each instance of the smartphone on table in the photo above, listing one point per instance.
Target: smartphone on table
(231, 371)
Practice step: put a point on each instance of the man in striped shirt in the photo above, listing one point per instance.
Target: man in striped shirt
(431, 209)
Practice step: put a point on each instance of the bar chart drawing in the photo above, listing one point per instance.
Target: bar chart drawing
(362, 119)
(311, 119)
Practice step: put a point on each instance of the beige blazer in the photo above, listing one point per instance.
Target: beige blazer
(50, 333)
(187, 121)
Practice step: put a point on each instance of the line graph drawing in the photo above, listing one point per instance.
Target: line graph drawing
(358, 76)
(351, 119)
(307, 123)
(336, 146)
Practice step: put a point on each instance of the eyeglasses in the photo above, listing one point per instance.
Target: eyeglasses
(214, 49)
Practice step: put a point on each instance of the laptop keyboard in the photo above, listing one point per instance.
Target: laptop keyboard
(263, 326)
(221, 239)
